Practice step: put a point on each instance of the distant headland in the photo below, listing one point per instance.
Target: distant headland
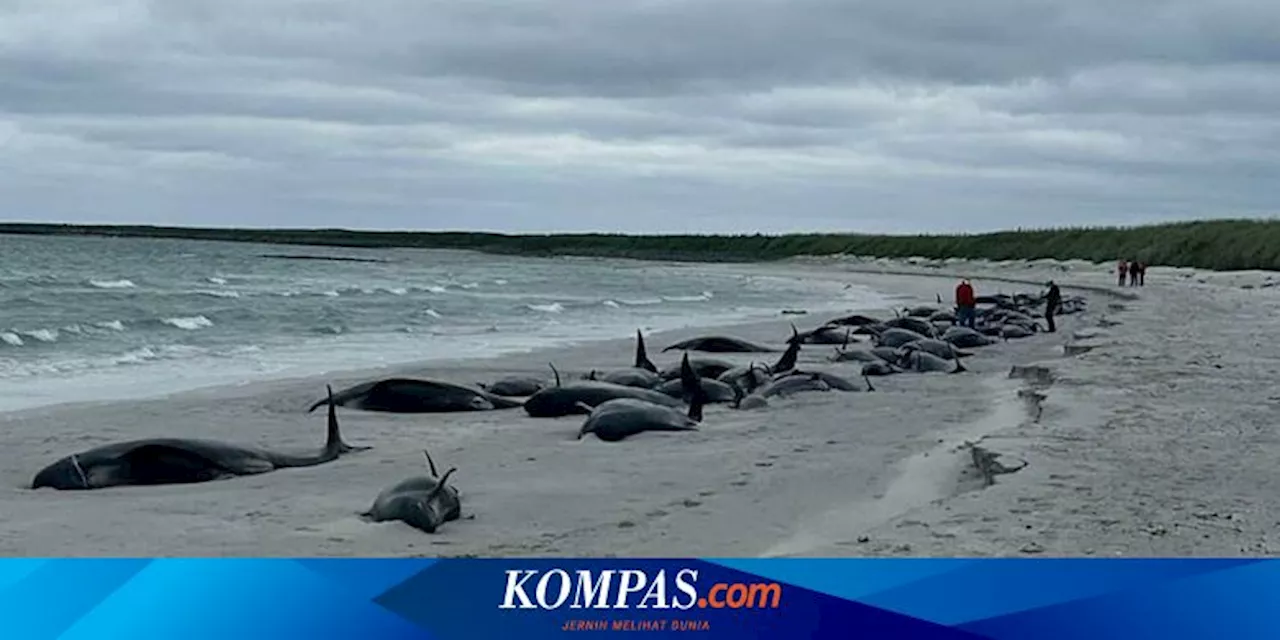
(1225, 244)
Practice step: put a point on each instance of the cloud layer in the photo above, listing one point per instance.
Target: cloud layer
(638, 115)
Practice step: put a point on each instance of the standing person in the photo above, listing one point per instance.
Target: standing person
(1052, 300)
(1121, 269)
(965, 303)
(1142, 274)
(1133, 273)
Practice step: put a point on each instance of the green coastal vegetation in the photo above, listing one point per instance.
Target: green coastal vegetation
(1226, 244)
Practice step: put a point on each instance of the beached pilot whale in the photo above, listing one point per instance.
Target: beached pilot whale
(410, 395)
(719, 344)
(642, 373)
(617, 419)
(569, 399)
(180, 461)
(422, 502)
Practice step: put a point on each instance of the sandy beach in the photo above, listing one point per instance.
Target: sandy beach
(1147, 435)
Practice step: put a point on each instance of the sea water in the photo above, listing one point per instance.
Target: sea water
(96, 318)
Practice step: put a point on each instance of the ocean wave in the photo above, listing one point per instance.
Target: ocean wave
(216, 280)
(641, 302)
(431, 312)
(12, 339)
(435, 288)
(500, 281)
(554, 307)
(114, 325)
(611, 304)
(150, 353)
(43, 335)
(189, 323)
(703, 297)
(113, 284)
(220, 294)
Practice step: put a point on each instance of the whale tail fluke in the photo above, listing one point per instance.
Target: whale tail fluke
(441, 484)
(788, 360)
(334, 444)
(431, 464)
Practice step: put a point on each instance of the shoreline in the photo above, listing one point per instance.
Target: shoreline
(493, 358)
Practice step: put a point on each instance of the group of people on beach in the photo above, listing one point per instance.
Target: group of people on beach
(1136, 271)
(967, 302)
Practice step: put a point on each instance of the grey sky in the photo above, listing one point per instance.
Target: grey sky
(639, 115)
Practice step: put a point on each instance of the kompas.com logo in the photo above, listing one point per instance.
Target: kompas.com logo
(585, 589)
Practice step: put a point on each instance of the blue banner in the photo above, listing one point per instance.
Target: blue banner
(457, 599)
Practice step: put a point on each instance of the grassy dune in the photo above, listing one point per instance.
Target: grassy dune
(1212, 244)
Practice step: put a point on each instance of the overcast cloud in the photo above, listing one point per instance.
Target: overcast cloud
(639, 115)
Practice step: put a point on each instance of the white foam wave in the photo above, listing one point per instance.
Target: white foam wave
(699, 298)
(554, 307)
(114, 325)
(220, 294)
(113, 284)
(146, 354)
(189, 323)
(611, 304)
(12, 339)
(435, 288)
(216, 280)
(431, 312)
(641, 302)
(500, 281)
(138, 356)
(43, 335)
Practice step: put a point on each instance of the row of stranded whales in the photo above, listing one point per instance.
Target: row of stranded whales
(158, 461)
(919, 341)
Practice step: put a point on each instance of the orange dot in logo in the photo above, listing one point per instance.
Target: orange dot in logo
(702, 603)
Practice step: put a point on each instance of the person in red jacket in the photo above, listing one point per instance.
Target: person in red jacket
(1121, 269)
(965, 302)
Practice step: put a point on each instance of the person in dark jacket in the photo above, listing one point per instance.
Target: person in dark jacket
(965, 304)
(1122, 270)
(1133, 273)
(1052, 300)
(1142, 274)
